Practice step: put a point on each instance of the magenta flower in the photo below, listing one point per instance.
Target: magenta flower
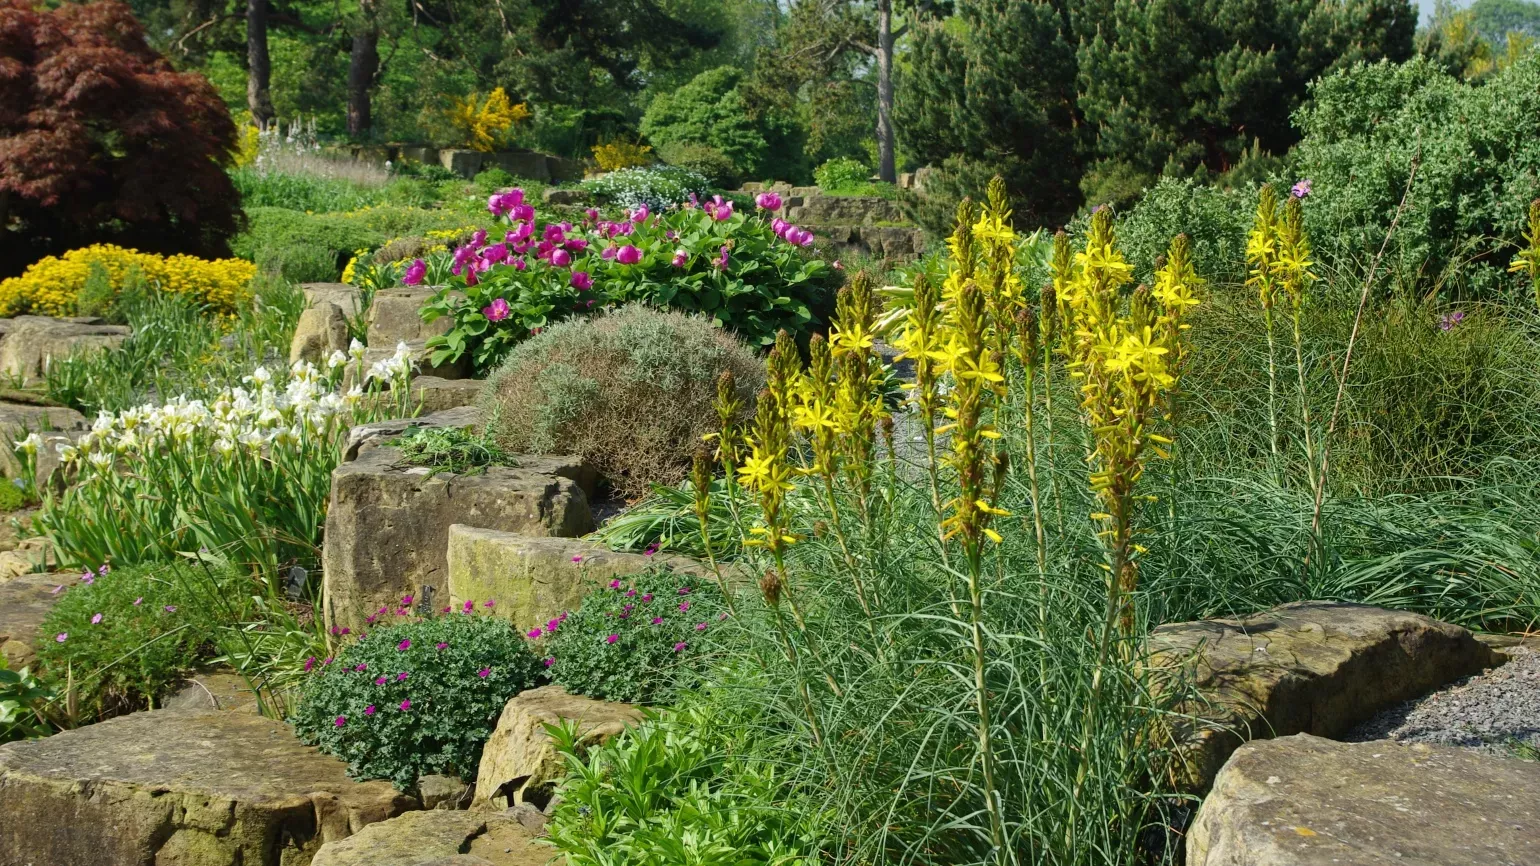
(722, 615)
(309, 663)
(680, 257)
(380, 681)
(700, 626)
(484, 673)
(361, 667)
(479, 239)
(496, 311)
(404, 645)
(369, 710)
(722, 212)
(647, 597)
(779, 226)
(614, 584)
(612, 638)
(61, 637)
(549, 661)
(341, 720)
(88, 578)
(657, 620)
(440, 645)
(533, 633)
(679, 647)
(684, 606)
(578, 558)
(470, 605)
(60, 588)
(105, 569)
(651, 549)
(96, 620)
(1301, 189)
(401, 676)
(767, 201)
(591, 215)
(684, 590)
(581, 281)
(138, 601)
(1447, 321)
(560, 258)
(628, 255)
(722, 260)
(576, 245)
(550, 626)
(170, 608)
(488, 604)
(406, 705)
(415, 273)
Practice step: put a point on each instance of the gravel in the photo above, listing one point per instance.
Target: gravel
(1497, 712)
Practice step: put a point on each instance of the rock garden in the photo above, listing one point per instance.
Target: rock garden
(462, 503)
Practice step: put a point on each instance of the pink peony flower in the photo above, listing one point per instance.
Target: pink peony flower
(576, 245)
(560, 258)
(640, 215)
(496, 311)
(767, 201)
(628, 255)
(415, 273)
(591, 215)
(582, 282)
(680, 257)
(479, 239)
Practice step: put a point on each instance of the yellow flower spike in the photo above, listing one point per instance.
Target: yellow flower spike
(1528, 258)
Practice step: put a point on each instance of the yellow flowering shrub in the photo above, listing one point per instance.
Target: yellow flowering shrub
(51, 286)
(483, 124)
(618, 154)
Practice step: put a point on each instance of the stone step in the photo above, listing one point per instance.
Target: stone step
(1307, 801)
(193, 788)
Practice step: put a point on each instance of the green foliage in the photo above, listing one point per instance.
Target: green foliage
(657, 187)
(1476, 145)
(452, 449)
(710, 163)
(712, 110)
(120, 638)
(22, 698)
(315, 247)
(631, 392)
(841, 173)
(638, 640)
(415, 698)
(1214, 219)
(679, 789)
(13, 496)
(176, 348)
(666, 520)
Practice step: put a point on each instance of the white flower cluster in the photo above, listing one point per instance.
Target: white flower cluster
(265, 413)
(658, 188)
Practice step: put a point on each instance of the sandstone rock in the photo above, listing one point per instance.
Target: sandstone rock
(387, 527)
(520, 763)
(556, 196)
(436, 394)
(16, 528)
(395, 316)
(28, 556)
(1306, 801)
(535, 579)
(24, 602)
(843, 210)
(322, 329)
(30, 342)
(894, 243)
(1503, 644)
(190, 788)
(215, 690)
(55, 424)
(366, 437)
(1310, 667)
(343, 295)
(440, 839)
(442, 792)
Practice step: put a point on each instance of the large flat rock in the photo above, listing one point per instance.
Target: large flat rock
(520, 764)
(1304, 668)
(1306, 801)
(535, 579)
(204, 788)
(24, 602)
(441, 839)
(387, 527)
(395, 316)
(29, 343)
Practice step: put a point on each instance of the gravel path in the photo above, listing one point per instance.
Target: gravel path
(1497, 712)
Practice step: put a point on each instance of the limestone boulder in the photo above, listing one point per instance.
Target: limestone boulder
(395, 316)
(55, 424)
(520, 763)
(342, 294)
(1305, 668)
(214, 690)
(443, 792)
(195, 788)
(29, 343)
(535, 579)
(558, 196)
(437, 394)
(387, 526)
(895, 243)
(1307, 801)
(322, 329)
(27, 556)
(441, 839)
(845, 210)
(24, 603)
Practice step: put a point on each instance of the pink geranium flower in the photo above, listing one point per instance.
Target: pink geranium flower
(612, 638)
(404, 645)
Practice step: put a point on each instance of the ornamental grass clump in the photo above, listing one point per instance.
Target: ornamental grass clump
(631, 391)
(638, 640)
(416, 698)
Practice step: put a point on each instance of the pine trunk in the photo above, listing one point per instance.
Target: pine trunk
(259, 67)
(885, 165)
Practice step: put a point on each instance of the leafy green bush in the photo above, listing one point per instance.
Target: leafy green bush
(1477, 146)
(22, 697)
(840, 173)
(680, 789)
(303, 247)
(637, 641)
(712, 164)
(711, 110)
(657, 187)
(120, 637)
(303, 192)
(417, 698)
(632, 392)
(1216, 221)
(452, 449)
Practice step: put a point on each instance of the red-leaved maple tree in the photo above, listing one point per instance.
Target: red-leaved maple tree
(101, 140)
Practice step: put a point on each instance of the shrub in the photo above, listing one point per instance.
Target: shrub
(631, 392)
(703, 159)
(452, 449)
(637, 641)
(740, 270)
(1215, 220)
(302, 247)
(711, 110)
(840, 173)
(1478, 146)
(22, 698)
(416, 698)
(53, 286)
(121, 637)
(657, 188)
(617, 154)
(482, 124)
(102, 140)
